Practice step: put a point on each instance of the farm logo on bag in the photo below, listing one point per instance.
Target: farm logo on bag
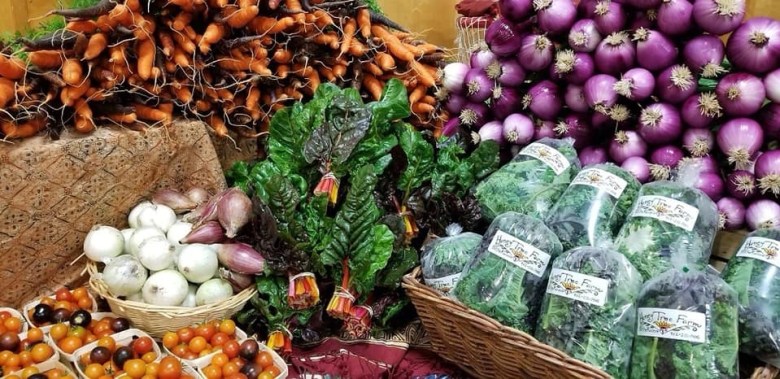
(445, 284)
(601, 180)
(519, 253)
(548, 155)
(580, 287)
(667, 210)
(763, 249)
(672, 324)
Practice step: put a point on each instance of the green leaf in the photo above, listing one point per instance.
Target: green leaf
(283, 200)
(365, 263)
(272, 299)
(400, 263)
(456, 174)
(320, 102)
(482, 161)
(346, 123)
(392, 310)
(317, 223)
(393, 105)
(419, 157)
(287, 135)
(374, 150)
(238, 176)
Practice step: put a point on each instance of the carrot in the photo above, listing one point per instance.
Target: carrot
(349, 34)
(323, 19)
(295, 7)
(84, 121)
(373, 69)
(47, 59)
(418, 52)
(417, 94)
(181, 58)
(145, 49)
(422, 108)
(213, 34)
(166, 43)
(94, 94)
(202, 106)
(218, 124)
(12, 67)
(24, 130)
(134, 5)
(339, 70)
(190, 33)
(117, 54)
(327, 72)
(423, 75)
(182, 93)
(239, 18)
(122, 15)
(148, 113)
(181, 20)
(145, 26)
(428, 99)
(170, 66)
(329, 39)
(364, 21)
(396, 47)
(78, 91)
(233, 64)
(166, 107)
(270, 25)
(385, 61)
(357, 48)
(184, 42)
(127, 118)
(7, 91)
(313, 81)
(282, 71)
(373, 86)
(82, 26)
(282, 56)
(72, 72)
(253, 98)
(260, 67)
(97, 43)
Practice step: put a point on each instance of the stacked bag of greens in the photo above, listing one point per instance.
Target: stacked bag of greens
(592, 209)
(686, 327)
(672, 224)
(532, 182)
(506, 279)
(444, 259)
(755, 274)
(588, 310)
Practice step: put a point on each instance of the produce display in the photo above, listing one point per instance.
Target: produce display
(250, 359)
(753, 273)
(136, 357)
(506, 278)
(82, 330)
(55, 373)
(19, 351)
(201, 340)
(444, 259)
(60, 307)
(588, 310)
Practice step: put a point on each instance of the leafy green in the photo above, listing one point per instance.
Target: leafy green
(587, 214)
(393, 105)
(599, 335)
(493, 285)
(270, 303)
(238, 176)
(448, 256)
(347, 121)
(456, 173)
(693, 291)
(419, 157)
(401, 262)
(288, 133)
(757, 283)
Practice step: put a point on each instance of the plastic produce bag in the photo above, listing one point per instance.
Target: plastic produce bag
(670, 225)
(594, 206)
(686, 327)
(755, 274)
(506, 279)
(532, 182)
(588, 310)
(444, 259)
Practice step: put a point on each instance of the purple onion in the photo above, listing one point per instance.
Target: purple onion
(626, 144)
(574, 97)
(755, 45)
(536, 52)
(770, 119)
(740, 94)
(740, 140)
(587, 7)
(638, 167)
(600, 120)
(763, 214)
(451, 127)
(454, 76)
(544, 129)
(482, 58)
(643, 19)
(659, 123)
(615, 54)
(742, 185)
(543, 100)
(654, 51)
(474, 115)
(704, 54)
(506, 101)
(636, 84)
(493, 131)
(600, 92)
(507, 72)
(455, 103)
(675, 17)
(478, 85)
(732, 213)
(518, 129)
(555, 16)
(711, 184)
(591, 155)
(767, 171)
(583, 36)
(675, 84)
(502, 37)
(716, 18)
(705, 164)
(698, 141)
(575, 126)
(610, 17)
(644, 4)
(515, 10)
(573, 67)
(668, 155)
(772, 85)
(701, 110)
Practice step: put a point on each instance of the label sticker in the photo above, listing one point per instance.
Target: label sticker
(548, 155)
(580, 287)
(672, 324)
(602, 181)
(445, 285)
(519, 253)
(763, 249)
(667, 210)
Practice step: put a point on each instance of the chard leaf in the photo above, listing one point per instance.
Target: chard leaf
(283, 200)
(393, 105)
(401, 262)
(419, 157)
(374, 150)
(366, 263)
(456, 174)
(271, 299)
(392, 310)
(238, 175)
(288, 132)
(346, 123)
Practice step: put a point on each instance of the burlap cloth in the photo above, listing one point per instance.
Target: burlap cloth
(53, 192)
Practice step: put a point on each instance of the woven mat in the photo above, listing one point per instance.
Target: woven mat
(53, 192)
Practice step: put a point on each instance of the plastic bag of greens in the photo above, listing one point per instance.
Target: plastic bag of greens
(532, 182)
(755, 274)
(670, 225)
(686, 327)
(588, 310)
(594, 206)
(444, 259)
(506, 279)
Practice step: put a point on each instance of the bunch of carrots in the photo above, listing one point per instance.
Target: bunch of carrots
(231, 63)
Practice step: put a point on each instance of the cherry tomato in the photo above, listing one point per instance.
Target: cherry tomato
(264, 359)
(41, 352)
(219, 339)
(231, 348)
(35, 335)
(71, 307)
(4, 315)
(185, 334)
(265, 375)
(94, 371)
(227, 326)
(13, 361)
(70, 344)
(85, 303)
(198, 344)
(58, 332)
(107, 342)
(29, 371)
(273, 370)
(170, 340)
(134, 368)
(230, 369)
(25, 357)
(212, 372)
(77, 331)
(13, 324)
(48, 301)
(206, 331)
(152, 369)
(142, 345)
(180, 350)
(170, 368)
(149, 357)
(220, 360)
(63, 294)
(80, 293)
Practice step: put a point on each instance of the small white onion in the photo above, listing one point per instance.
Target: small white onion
(158, 216)
(189, 301)
(198, 263)
(142, 234)
(127, 234)
(178, 231)
(165, 288)
(156, 253)
(132, 218)
(137, 297)
(124, 275)
(213, 291)
(103, 243)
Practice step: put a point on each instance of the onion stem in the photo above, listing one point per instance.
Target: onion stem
(770, 183)
(564, 61)
(542, 4)
(619, 113)
(709, 105)
(602, 8)
(727, 7)
(651, 117)
(712, 70)
(660, 172)
(623, 87)
(616, 38)
(759, 38)
(579, 38)
(682, 77)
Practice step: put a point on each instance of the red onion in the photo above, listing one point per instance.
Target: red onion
(740, 94)
(626, 144)
(768, 172)
(544, 129)
(770, 119)
(663, 159)
(478, 86)
(536, 52)
(620, 114)
(503, 37)
(241, 258)
(574, 97)
(573, 67)
(583, 36)
(555, 16)
(675, 17)
(455, 103)
(636, 84)
(698, 141)
(609, 17)
(587, 7)
(741, 184)
(474, 114)
(643, 19)
(700, 110)
(234, 210)
(659, 123)
(451, 127)
(515, 10)
(711, 184)
(653, 50)
(718, 17)
(638, 167)
(482, 58)
(755, 45)
(505, 102)
(518, 129)
(763, 214)
(740, 140)
(705, 53)
(543, 100)
(591, 155)
(600, 92)
(615, 54)
(173, 199)
(644, 4)
(675, 84)
(772, 85)
(493, 131)
(599, 120)
(454, 76)
(732, 213)
(576, 127)
(507, 72)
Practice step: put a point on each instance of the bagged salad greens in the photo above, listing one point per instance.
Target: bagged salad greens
(506, 278)
(755, 274)
(686, 327)
(444, 259)
(670, 225)
(594, 206)
(532, 182)
(588, 310)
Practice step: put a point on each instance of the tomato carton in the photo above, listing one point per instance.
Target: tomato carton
(16, 314)
(67, 358)
(28, 309)
(46, 364)
(203, 361)
(122, 339)
(278, 362)
(44, 367)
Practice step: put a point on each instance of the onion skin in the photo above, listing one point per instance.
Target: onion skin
(675, 17)
(506, 100)
(732, 213)
(536, 52)
(659, 123)
(675, 84)
(755, 45)
(234, 210)
(455, 103)
(209, 233)
(700, 110)
(698, 141)
(575, 126)
(543, 100)
(668, 155)
(478, 85)
(482, 59)
(574, 97)
(767, 171)
(241, 258)
(654, 51)
(474, 114)
(644, 4)
(454, 77)
(772, 85)
(591, 155)
(574, 68)
(173, 199)
(558, 17)
(518, 129)
(636, 84)
(544, 129)
(512, 73)
(638, 167)
(615, 54)
(762, 214)
(451, 127)
(198, 195)
(711, 184)
(492, 131)
(609, 16)
(626, 144)
(600, 92)
(707, 15)
(740, 139)
(503, 37)
(515, 10)
(583, 36)
(704, 54)
(770, 120)
(740, 94)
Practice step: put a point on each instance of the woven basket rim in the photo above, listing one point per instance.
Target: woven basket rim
(101, 289)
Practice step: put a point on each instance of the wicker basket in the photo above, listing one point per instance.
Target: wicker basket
(157, 320)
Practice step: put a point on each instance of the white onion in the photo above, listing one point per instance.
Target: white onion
(124, 275)
(189, 301)
(165, 288)
(140, 235)
(157, 253)
(103, 243)
(198, 262)
(137, 297)
(178, 231)
(213, 291)
(158, 216)
(127, 234)
(132, 218)
(454, 74)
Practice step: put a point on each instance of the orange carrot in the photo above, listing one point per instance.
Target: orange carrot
(396, 47)
(24, 130)
(213, 34)
(357, 48)
(218, 124)
(78, 91)
(323, 19)
(327, 72)
(166, 107)
(133, 5)
(84, 122)
(339, 70)
(97, 43)
(313, 81)
(82, 26)
(422, 109)
(239, 18)
(166, 42)
(190, 33)
(428, 99)
(330, 39)
(202, 106)
(282, 71)
(295, 7)
(417, 94)
(47, 59)
(260, 67)
(181, 20)
(373, 69)
(373, 86)
(7, 91)
(118, 118)
(181, 58)
(148, 113)
(72, 72)
(184, 42)
(146, 51)
(423, 75)
(349, 34)
(121, 15)
(385, 61)
(282, 56)
(270, 25)
(12, 67)
(364, 21)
